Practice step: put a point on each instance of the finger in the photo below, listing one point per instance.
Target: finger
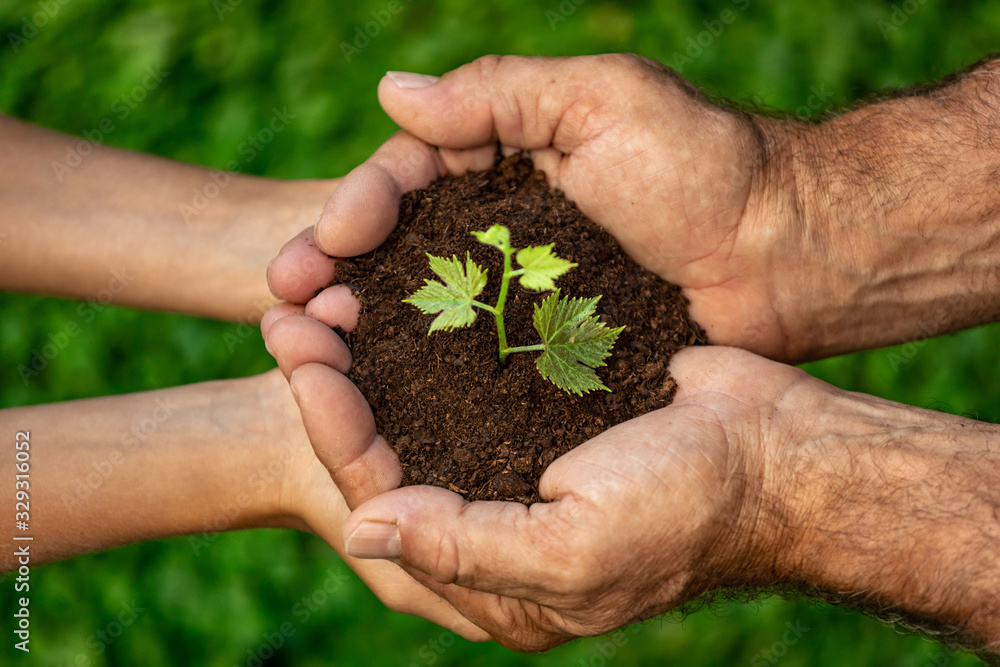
(300, 270)
(364, 208)
(296, 340)
(393, 586)
(342, 431)
(335, 307)
(401, 593)
(497, 547)
(513, 623)
(526, 103)
(276, 312)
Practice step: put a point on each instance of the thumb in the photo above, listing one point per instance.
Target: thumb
(527, 103)
(497, 547)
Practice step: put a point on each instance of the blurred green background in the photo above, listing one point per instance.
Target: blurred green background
(229, 64)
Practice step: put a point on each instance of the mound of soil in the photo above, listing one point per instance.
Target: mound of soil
(456, 417)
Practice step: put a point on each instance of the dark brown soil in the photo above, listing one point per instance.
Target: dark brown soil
(456, 417)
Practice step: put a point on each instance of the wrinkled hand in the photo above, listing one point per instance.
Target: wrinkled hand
(689, 190)
(312, 500)
(637, 515)
(648, 515)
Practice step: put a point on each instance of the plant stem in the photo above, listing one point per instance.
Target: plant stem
(498, 311)
(526, 348)
(486, 307)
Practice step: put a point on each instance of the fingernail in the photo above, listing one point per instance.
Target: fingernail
(410, 80)
(374, 539)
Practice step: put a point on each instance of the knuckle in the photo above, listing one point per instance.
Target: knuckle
(628, 70)
(631, 65)
(485, 67)
(446, 565)
(640, 63)
(493, 81)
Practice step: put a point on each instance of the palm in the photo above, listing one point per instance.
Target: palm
(611, 487)
(672, 178)
(634, 522)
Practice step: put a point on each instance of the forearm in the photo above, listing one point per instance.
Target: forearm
(897, 229)
(111, 471)
(893, 510)
(139, 230)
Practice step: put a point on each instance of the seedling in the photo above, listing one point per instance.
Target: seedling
(574, 340)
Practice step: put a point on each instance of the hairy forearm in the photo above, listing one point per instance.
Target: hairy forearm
(137, 230)
(110, 471)
(893, 510)
(897, 229)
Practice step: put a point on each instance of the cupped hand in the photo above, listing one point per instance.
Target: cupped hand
(646, 516)
(691, 191)
(308, 496)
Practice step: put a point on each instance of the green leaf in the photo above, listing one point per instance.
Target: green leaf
(541, 266)
(497, 236)
(576, 342)
(453, 298)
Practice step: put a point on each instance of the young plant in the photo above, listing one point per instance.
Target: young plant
(574, 340)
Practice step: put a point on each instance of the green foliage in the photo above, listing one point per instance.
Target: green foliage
(574, 340)
(228, 71)
(541, 267)
(454, 297)
(497, 236)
